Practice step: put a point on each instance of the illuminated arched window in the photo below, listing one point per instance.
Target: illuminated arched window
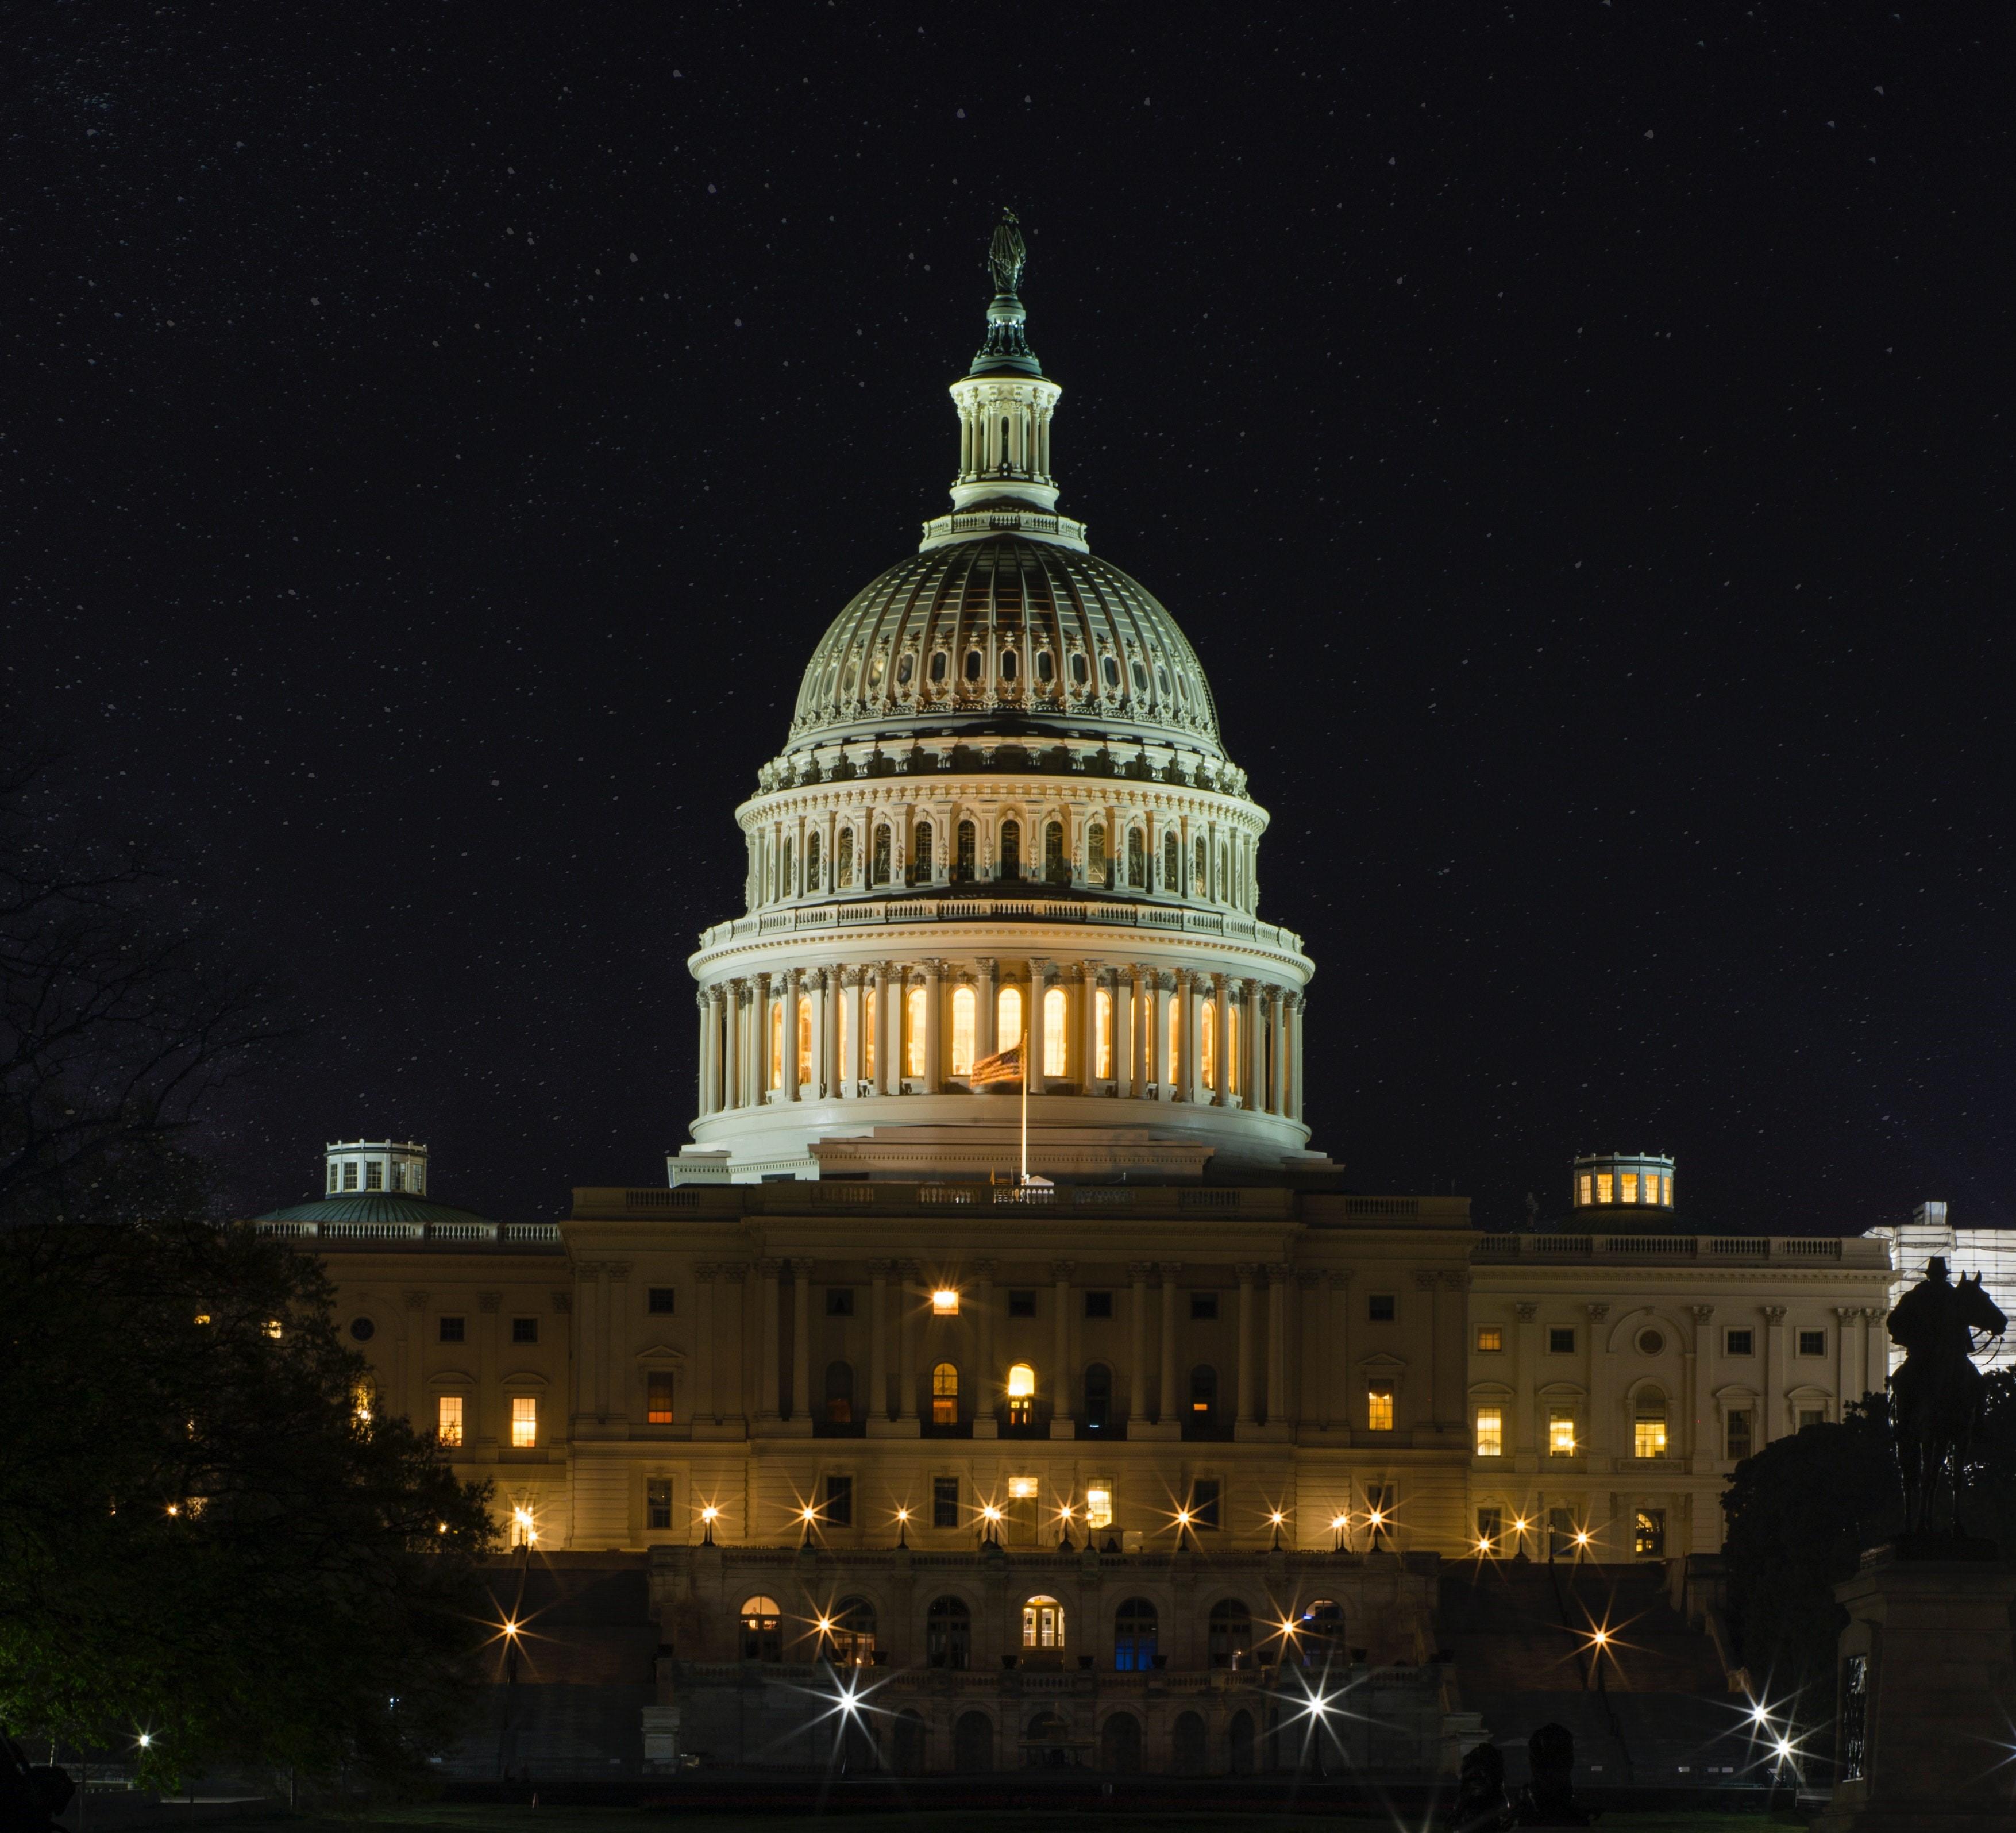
(1172, 862)
(844, 860)
(964, 1007)
(1043, 1623)
(868, 994)
(776, 1043)
(1175, 1040)
(1054, 1030)
(850, 1633)
(1021, 1395)
(880, 875)
(762, 1629)
(805, 1040)
(1207, 1042)
(1231, 1023)
(944, 1394)
(1102, 1029)
(916, 1007)
(1137, 859)
(1008, 1018)
(812, 863)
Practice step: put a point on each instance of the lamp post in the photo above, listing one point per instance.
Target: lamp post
(1276, 1518)
(1340, 1524)
(708, 1516)
(902, 1527)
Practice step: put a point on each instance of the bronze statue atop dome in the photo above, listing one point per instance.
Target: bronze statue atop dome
(1006, 253)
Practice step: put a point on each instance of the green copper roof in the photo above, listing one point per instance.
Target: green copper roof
(372, 1206)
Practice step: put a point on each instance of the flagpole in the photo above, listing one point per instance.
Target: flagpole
(1025, 1092)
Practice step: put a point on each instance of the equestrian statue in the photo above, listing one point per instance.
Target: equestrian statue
(1936, 1393)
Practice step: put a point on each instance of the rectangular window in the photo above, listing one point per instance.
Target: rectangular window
(1811, 1416)
(840, 1301)
(1102, 1030)
(1490, 1432)
(661, 1300)
(350, 1177)
(1022, 1489)
(524, 1421)
(1204, 1307)
(1098, 1304)
(1205, 1494)
(1021, 1304)
(658, 1397)
(1649, 1536)
(1737, 1343)
(945, 1502)
(1490, 1338)
(1379, 1406)
(1812, 1342)
(1736, 1434)
(1648, 1438)
(1629, 1180)
(1560, 1339)
(453, 1329)
(1603, 1185)
(1381, 1307)
(1560, 1433)
(1582, 1190)
(374, 1176)
(524, 1329)
(1490, 1531)
(658, 1502)
(839, 1510)
(1099, 1503)
(448, 1419)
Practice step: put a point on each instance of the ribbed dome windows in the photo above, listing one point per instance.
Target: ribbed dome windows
(976, 666)
(843, 870)
(962, 865)
(1109, 669)
(1011, 849)
(1081, 669)
(880, 872)
(1046, 668)
(1010, 662)
(920, 862)
(941, 665)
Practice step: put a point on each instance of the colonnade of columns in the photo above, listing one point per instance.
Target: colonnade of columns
(1135, 1032)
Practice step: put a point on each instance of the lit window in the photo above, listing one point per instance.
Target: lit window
(805, 1041)
(273, 1328)
(1021, 1395)
(1581, 1190)
(777, 1045)
(762, 1632)
(1629, 1181)
(1649, 1434)
(1231, 1023)
(1561, 1435)
(1008, 1018)
(1648, 1539)
(1208, 1043)
(1175, 1042)
(658, 1397)
(962, 1009)
(1021, 1489)
(1490, 1432)
(1602, 1184)
(1054, 1029)
(1666, 1189)
(917, 1005)
(1379, 1406)
(1102, 1026)
(1490, 1338)
(1490, 1530)
(448, 1419)
(1042, 1623)
(944, 1394)
(1099, 1503)
(868, 995)
(524, 1421)
(945, 1302)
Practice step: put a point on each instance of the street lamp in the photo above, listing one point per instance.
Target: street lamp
(991, 1533)
(1066, 1512)
(1339, 1524)
(708, 1516)
(1275, 1518)
(902, 1527)
(808, 1519)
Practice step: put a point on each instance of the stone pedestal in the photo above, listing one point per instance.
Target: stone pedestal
(1925, 1721)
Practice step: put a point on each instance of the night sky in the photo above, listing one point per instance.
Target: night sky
(1576, 444)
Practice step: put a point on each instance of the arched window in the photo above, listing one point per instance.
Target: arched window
(1102, 1031)
(881, 873)
(1137, 859)
(906, 666)
(1010, 661)
(1098, 1397)
(805, 1040)
(1003, 454)
(975, 662)
(840, 1393)
(776, 1043)
(1319, 1638)
(1200, 871)
(869, 996)
(790, 884)
(963, 860)
(948, 1634)
(1120, 1744)
(944, 1394)
(1043, 1623)
(1239, 1744)
(1175, 1074)
(1135, 1630)
(762, 1629)
(1204, 1394)
(812, 863)
(938, 670)
(1011, 849)
(1109, 669)
(920, 860)
(844, 866)
(1208, 1043)
(1233, 1022)
(1021, 1395)
(1173, 864)
(1189, 1747)
(1057, 869)
(1055, 1027)
(964, 1007)
(1046, 669)
(850, 1640)
(1229, 1637)
(1081, 668)
(916, 1009)
(1095, 852)
(1008, 1017)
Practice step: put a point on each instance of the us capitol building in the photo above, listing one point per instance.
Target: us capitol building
(1072, 1466)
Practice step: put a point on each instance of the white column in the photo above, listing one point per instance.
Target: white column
(1039, 984)
(701, 1106)
(1061, 1414)
(767, 1376)
(1192, 1036)
(1295, 1008)
(802, 1336)
(1277, 1346)
(1252, 1068)
(986, 1012)
(815, 990)
(1220, 996)
(1768, 1427)
(933, 1027)
(732, 1045)
(1126, 1067)
(851, 981)
(878, 1342)
(1846, 1345)
(889, 1030)
(1167, 1409)
(703, 1382)
(1158, 1037)
(1084, 989)
(1277, 1051)
(1247, 1273)
(792, 986)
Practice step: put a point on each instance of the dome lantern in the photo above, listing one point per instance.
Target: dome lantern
(1629, 1180)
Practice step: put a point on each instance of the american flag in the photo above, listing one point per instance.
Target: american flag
(1004, 1066)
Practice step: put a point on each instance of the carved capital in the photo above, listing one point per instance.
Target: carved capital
(909, 1269)
(770, 1268)
(880, 1269)
(1425, 1281)
(734, 1272)
(1140, 1272)
(1846, 1312)
(618, 1270)
(801, 1266)
(1596, 1312)
(984, 1270)
(704, 1271)
(1340, 1281)
(1525, 1313)
(1061, 1271)
(1703, 1312)
(1249, 1271)
(1309, 1278)
(416, 1301)
(1455, 1282)
(1774, 1313)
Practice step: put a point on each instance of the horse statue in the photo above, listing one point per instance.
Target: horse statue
(1936, 1395)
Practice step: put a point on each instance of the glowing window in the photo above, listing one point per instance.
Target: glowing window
(805, 1041)
(945, 1302)
(1379, 1406)
(1099, 1503)
(1008, 1018)
(1581, 1190)
(1490, 1432)
(1561, 1434)
(1021, 1395)
(1490, 1338)
(841, 1042)
(963, 1005)
(1021, 1489)
(1628, 1182)
(1053, 1031)
(868, 1031)
(1666, 1189)
(1603, 1185)
(1648, 1437)
(658, 1397)
(1232, 1042)
(448, 1419)
(1207, 1042)
(1042, 1623)
(944, 1388)
(524, 1421)
(1175, 1041)
(777, 1044)
(1102, 1028)
(762, 1629)
(919, 1005)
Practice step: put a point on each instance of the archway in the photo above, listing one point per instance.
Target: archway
(1046, 1743)
(1188, 1753)
(1120, 1744)
(911, 1741)
(973, 1743)
(1239, 1744)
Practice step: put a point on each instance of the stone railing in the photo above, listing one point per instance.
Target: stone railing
(462, 1234)
(1674, 1250)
